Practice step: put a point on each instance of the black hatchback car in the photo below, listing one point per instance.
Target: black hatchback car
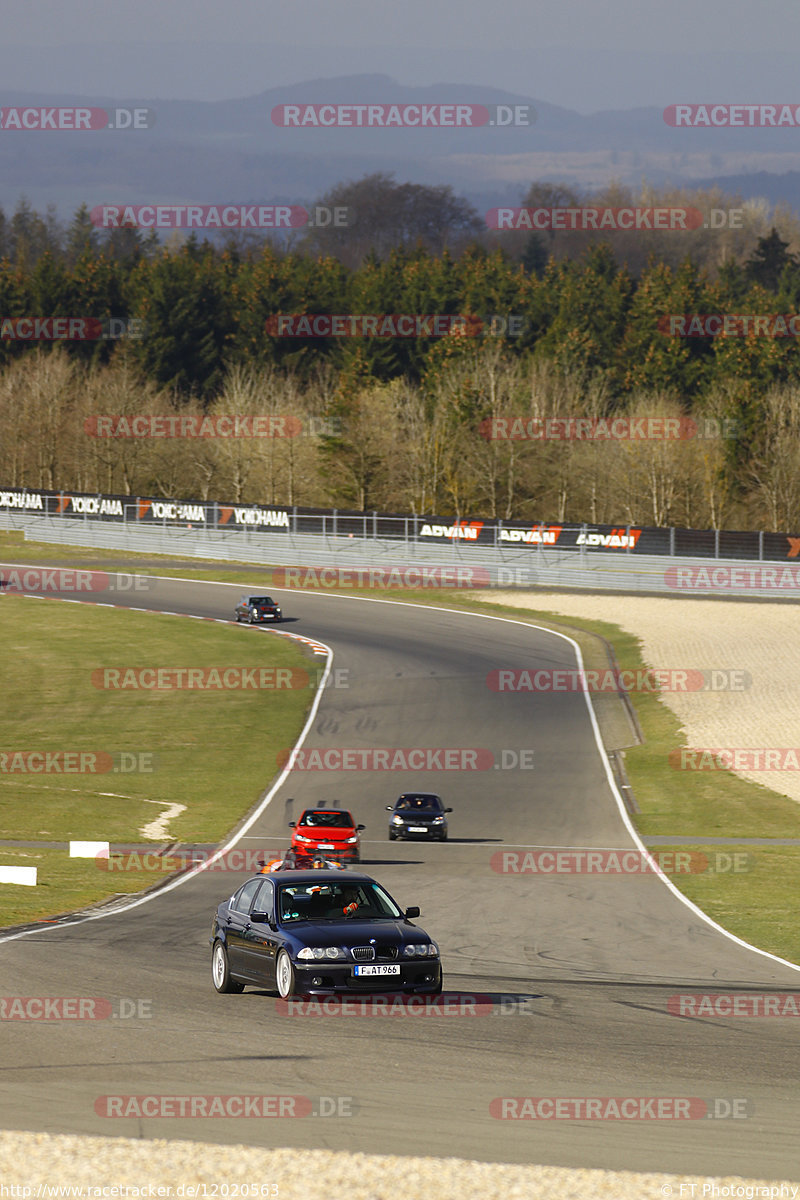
(418, 815)
(320, 932)
(257, 609)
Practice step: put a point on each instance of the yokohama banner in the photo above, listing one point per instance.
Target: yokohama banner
(146, 510)
(538, 537)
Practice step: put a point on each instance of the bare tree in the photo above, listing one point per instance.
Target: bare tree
(776, 470)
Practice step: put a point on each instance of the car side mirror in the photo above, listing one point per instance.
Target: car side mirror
(261, 918)
(292, 824)
(389, 807)
(361, 827)
(448, 810)
(412, 912)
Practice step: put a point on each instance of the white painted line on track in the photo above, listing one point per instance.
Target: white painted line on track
(459, 844)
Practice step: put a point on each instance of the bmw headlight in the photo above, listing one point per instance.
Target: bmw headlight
(317, 952)
(438, 820)
(420, 949)
(397, 820)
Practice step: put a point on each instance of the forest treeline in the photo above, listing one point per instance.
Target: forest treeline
(399, 423)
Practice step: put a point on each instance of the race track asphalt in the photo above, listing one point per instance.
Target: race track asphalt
(579, 967)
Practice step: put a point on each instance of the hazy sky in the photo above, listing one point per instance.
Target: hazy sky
(610, 24)
(586, 54)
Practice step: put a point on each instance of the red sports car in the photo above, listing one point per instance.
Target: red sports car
(331, 832)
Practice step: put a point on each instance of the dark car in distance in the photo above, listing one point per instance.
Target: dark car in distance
(418, 815)
(317, 933)
(257, 609)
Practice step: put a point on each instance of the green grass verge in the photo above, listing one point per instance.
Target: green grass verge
(758, 905)
(63, 884)
(750, 890)
(213, 751)
(15, 548)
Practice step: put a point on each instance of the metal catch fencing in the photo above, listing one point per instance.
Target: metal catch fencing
(333, 557)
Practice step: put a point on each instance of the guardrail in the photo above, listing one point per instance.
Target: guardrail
(412, 531)
(342, 560)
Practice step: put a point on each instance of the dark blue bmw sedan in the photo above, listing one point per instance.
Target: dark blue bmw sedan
(320, 932)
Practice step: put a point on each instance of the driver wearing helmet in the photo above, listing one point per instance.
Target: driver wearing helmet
(350, 896)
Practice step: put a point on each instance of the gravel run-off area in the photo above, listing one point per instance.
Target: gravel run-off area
(758, 638)
(197, 1172)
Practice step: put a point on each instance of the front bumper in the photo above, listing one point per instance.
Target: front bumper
(430, 831)
(322, 978)
(339, 852)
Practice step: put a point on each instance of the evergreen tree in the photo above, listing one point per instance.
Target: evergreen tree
(535, 255)
(82, 235)
(187, 320)
(767, 262)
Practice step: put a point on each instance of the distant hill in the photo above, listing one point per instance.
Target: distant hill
(230, 151)
(777, 189)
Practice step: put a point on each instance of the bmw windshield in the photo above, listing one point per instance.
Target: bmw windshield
(335, 902)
